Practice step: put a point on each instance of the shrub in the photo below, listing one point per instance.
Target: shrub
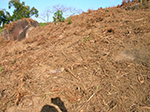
(69, 20)
(58, 16)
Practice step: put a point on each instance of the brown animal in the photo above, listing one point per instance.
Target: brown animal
(17, 30)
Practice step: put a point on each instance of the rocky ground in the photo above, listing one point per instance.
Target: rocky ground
(98, 63)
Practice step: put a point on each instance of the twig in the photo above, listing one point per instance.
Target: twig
(139, 19)
(87, 101)
(71, 72)
(98, 101)
(20, 56)
(146, 107)
(19, 98)
(33, 61)
(112, 108)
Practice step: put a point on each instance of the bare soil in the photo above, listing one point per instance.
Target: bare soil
(98, 63)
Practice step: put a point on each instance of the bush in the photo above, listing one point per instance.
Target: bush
(58, 16)
(69, 20)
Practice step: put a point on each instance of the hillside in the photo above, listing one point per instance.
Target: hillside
(98, 63)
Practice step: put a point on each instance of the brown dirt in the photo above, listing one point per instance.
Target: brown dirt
(98, 63)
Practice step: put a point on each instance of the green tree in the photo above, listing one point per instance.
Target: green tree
(58, 16)
(4, 17)
(20, 11)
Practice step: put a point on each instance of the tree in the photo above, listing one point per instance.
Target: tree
(45, 15)
(20, 11)
(67, 11)
(15, 0)
(4, 17)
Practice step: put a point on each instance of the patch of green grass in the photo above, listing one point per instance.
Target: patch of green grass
(1, 69)
(43, 24)
(86, 38)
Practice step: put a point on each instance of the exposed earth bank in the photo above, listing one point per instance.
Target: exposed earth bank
(98, 63)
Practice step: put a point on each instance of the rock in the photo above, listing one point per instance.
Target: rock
(17, 30)
(25, 32)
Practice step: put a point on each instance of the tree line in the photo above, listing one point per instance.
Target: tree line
(20, 11)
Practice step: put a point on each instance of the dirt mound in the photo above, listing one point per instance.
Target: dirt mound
(99, 62)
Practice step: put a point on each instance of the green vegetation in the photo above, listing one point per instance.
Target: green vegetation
(58, 16)
(4, 17)
(1, 69)
(20, 11)
(86, 38)
(69, 20)
(45, 94)
(1, 30)
(43, 24)
(107, 10)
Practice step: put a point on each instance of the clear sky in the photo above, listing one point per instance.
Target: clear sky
(42, 5)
